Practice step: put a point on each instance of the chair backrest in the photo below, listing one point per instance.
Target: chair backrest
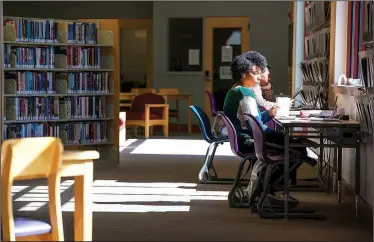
(143, 90)
(231, 133)
(204, 123)
(270, 123)
(139, 102)
(29, 158)
(259, 139)
(169, 90)
(212, 101)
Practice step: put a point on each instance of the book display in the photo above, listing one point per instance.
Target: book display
(58, 80)
(315, 67)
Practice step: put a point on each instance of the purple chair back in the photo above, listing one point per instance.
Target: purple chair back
(139, 102)
(259, 140)
(270, 123)
(212, 103)
(233, 138)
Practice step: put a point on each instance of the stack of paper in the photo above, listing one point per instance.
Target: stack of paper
(283, 104)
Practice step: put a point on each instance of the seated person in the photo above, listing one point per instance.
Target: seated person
(261, 90)
(246, 70)
(264, 91)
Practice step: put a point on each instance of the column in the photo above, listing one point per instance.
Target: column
(298, 44)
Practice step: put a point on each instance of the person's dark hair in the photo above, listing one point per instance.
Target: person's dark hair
(268, 67)
(244, 62)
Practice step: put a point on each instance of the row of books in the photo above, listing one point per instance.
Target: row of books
(81, 57)
(317, 44)
(32, 57)
(82, 33)
(53, 108)
(43, 57)
(39, 31)
(71, 133)
(88, 82)
(29, 82)
(317, 13)
(46, 31)
(367, 69)
(315, 71)
(85, 107)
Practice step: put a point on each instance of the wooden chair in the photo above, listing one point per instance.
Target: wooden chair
(24, 159)
(143, 90)
(149, 110)
(174, 113)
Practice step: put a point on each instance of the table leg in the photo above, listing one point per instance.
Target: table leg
(83, 204)
(189, 117)
(357, 175)
(334, 168)
(286, 170)
(339, 169)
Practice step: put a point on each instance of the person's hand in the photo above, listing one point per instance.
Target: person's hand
(292, 102)
(273, 111)
(264, 81)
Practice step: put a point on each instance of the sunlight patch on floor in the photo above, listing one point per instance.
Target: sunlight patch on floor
(127, 197)
(175, 147)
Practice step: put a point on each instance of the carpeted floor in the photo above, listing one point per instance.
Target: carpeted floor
(153, 196)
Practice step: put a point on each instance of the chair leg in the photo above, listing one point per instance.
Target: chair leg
(135, 130)
(205, 176)
(237, 197)
(166, 130)
(272, 212)
(146, 131)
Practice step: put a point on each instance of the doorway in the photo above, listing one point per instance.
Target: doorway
(225, 38)
(135, 54)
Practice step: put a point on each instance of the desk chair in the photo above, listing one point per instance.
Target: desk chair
(213, 108)
(237, 197)
(26, 159)
(205, 175)
(274, 160)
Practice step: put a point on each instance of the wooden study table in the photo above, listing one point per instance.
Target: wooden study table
(79, 164)
(126, 96)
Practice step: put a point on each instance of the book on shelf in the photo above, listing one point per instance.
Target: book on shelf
(88, 132)
(58, 82)
(317, 13)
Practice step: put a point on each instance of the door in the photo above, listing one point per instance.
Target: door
(224, 38)
(136, 53)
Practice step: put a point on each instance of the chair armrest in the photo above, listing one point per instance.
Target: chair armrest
(157, 105)
(165, 108)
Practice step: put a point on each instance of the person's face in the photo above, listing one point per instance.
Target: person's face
(265, 77)
(253, 76)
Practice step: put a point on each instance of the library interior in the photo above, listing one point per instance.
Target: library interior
(126, 120)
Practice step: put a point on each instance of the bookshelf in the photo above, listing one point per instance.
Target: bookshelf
(59, 81)
(315, 66)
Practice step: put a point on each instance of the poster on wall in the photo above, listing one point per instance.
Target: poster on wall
(224, 73)
(226, 55)
(193, 57)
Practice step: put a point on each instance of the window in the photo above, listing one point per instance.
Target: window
(357, 35)
(185, 35)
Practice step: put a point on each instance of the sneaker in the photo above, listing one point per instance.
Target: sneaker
(279, 201)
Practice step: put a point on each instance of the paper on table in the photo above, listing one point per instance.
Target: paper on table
(283, 104)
